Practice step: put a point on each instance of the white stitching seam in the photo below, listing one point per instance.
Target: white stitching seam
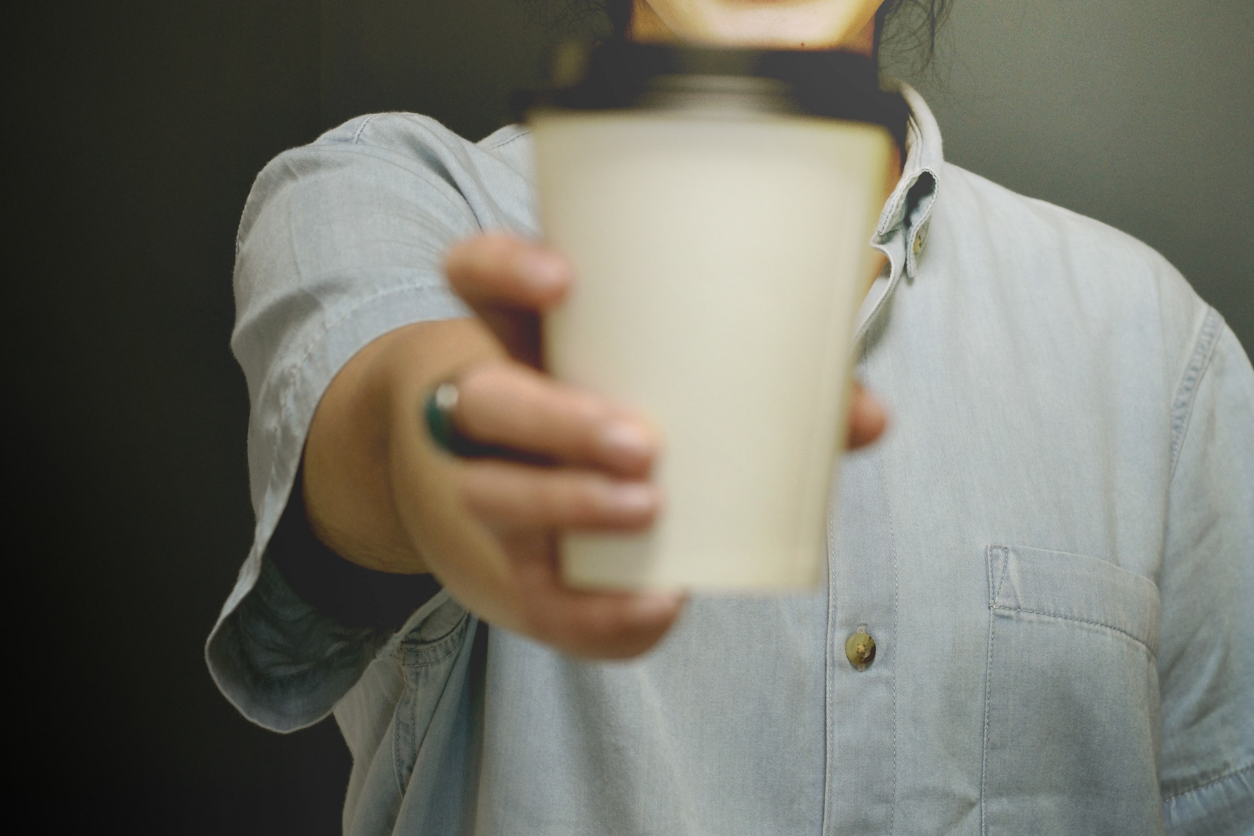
(1182, 409)
(988, 681)
(1101, 624)
(1221, 779)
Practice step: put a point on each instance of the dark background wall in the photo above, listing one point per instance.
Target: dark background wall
(1137, 112)
(134, 130)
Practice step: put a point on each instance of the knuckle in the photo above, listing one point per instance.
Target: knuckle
(488, 392)
(474, 389)
(563, 500)
(484, 378)
(584, 504)
(544, 503)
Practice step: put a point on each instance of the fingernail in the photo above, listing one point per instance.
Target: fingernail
(541, 270)
(632, 497)
(624, 442)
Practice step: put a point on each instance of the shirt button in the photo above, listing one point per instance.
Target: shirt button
(860, 648)
(920, 238)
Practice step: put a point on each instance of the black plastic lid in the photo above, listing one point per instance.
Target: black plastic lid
(615, 75)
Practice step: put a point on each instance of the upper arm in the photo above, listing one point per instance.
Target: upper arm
(340, 243)
(1206, 656)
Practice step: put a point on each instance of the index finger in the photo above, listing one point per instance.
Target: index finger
(497, 270)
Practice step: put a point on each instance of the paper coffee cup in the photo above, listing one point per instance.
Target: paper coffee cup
(721, 253)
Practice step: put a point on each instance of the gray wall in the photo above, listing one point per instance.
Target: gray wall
(1139, 113)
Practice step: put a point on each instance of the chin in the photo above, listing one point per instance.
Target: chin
(791, 24)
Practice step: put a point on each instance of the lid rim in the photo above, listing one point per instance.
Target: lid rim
(624, 75)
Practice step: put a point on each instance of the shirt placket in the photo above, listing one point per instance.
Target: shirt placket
(861, 770)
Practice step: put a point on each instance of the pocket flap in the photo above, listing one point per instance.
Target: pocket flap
(1074, 587)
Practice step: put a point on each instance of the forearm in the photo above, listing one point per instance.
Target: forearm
(349, 457)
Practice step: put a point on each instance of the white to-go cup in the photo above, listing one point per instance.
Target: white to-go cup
(721, 253)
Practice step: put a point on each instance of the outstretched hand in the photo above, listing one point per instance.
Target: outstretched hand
(381, 494)
(583, 461)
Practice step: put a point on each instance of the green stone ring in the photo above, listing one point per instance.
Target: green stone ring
(437, 412)
(439, 423)
(439, 416)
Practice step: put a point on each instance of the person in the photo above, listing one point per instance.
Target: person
(1051, 546)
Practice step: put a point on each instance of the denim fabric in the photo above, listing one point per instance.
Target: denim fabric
(1053, 545)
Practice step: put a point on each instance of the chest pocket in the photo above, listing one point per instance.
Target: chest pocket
(1072, 716)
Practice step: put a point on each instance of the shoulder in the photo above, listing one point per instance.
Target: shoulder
(1061, 242)
(422, 140)
(1042, 261)
(377, 157)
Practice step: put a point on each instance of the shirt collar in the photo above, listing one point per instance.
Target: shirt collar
(901, 232)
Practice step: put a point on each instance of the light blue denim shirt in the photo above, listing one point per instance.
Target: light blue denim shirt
(1052, 546)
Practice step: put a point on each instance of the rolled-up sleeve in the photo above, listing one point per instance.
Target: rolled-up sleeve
(1206, 659)
(340, 242)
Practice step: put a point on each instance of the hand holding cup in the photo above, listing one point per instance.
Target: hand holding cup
(566, 459)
